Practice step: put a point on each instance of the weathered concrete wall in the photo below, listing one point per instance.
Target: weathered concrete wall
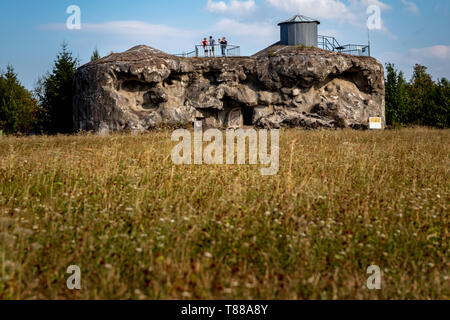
(281, 86)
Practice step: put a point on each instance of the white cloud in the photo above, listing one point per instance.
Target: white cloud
(233, 7)
(351, 11)
(318, 9)
(436, 58)
(129, 28)
(330, 32)
(439, 52)
(365, 3)
(251, 36)
(411, 6)
(121, 35)
(252, 29)
(137, 28)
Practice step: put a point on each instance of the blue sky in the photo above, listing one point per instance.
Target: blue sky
(31, 32)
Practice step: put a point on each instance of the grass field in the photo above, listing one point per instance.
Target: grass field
(140, 227)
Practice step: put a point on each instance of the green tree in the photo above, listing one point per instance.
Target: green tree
(18, 107)
(439, 113)
(55, 94)
(420, 94)
(397, 101)
(8, 115)
(95, 55)
(419, 102)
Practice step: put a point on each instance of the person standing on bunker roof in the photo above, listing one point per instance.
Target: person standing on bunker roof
(205, 46)
(212, 44)
(223, 46)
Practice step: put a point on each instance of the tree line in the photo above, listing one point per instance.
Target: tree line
(48, 109)
(421, 101)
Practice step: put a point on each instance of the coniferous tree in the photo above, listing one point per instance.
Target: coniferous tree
(397, 102)
(8, 115)
(55, 94)
(440, 114)
(391, 94)
(17, 105)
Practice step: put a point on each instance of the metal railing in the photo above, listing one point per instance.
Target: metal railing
(324, 42)
(331, 44)
(186, 54)
(356, 50)
(216, 50)
(328, 43)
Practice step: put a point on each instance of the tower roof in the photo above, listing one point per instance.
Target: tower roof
(299, 19)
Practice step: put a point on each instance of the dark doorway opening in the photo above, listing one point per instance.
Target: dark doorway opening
(247, 113)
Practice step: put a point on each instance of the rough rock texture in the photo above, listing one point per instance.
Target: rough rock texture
(280, 86)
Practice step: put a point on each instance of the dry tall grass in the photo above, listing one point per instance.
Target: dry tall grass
(140, 227)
